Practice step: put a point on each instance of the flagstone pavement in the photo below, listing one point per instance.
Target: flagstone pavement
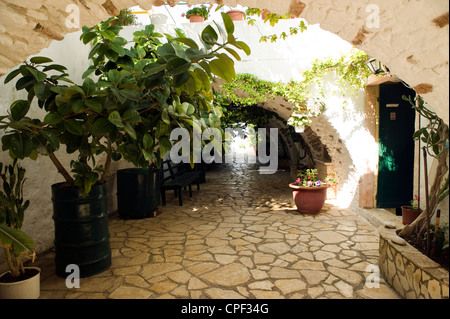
(240, 236)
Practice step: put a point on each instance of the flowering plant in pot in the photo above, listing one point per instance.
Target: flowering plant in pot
(309, 193)
(19, 282)
(411, 212)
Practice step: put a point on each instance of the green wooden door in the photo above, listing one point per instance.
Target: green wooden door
(396, 146)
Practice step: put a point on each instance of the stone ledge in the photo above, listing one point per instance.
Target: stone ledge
(412, 274)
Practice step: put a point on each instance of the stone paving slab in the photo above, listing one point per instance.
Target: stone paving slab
(238, 237)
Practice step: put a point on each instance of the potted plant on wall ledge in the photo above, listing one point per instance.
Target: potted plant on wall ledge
(19, 282)
(411, 212)
(309, 193)
(197, 14)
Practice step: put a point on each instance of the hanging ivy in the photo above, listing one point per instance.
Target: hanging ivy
(350, 69)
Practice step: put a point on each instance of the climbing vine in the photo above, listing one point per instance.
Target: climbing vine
(272, 19)
(350, 69)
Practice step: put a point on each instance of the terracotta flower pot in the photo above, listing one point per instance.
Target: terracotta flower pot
(236, 15)
(309, 200)
(409, 214)
(196, 18)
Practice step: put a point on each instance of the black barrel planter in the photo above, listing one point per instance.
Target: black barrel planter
(138, 192)
(81, 229)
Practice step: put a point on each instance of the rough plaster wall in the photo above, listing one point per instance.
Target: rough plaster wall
(411, 37)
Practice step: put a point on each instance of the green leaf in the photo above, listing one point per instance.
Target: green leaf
(164, 146)
(181, 79)
(40, 60)
(77, 106)
(42, 90)
(56, 67)
(244, 47)
(223, 67)
(16, 240)
(209, 35)
(38, 75)
(52, 119)
(147, 141)
(188, 108)
(229, 24)
(178, 66)
(233, 53)
(73, 126)
(101, 127)
(114, 118)
(130, 130)
(165, 117)
(204, 78)
(51, 138)
(108, 35)
(19, 109)
(187, 41)
(87, 37)
(89, 86)
(131, 116)
(25, 83)
(21, 145)
(94, 105)
(12, 75)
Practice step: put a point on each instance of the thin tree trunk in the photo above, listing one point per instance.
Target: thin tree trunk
(419, 224)
(62, 170)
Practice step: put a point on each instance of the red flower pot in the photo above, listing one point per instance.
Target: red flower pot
(195, 18)
(309, 200)
(409, 214)
(236, 15)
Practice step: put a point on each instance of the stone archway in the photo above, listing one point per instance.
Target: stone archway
(410, 37)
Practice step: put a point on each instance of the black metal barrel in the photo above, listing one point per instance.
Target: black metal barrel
(138, 192)
(81, 230)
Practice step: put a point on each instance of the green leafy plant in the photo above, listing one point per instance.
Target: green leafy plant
(415, 202)
(351, 70)
(273, 19)
(15, 242)
(126, 18)
(434, 135)
(130, 99)
(202, 11)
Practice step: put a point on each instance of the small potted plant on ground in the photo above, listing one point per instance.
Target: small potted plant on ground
(309, 193)
(197, 14)
(411, 212)
(19, 282)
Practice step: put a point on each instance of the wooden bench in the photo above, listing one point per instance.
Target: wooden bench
(177, 177)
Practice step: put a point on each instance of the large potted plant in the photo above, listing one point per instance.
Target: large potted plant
(126, 107)
(310, 193)
(19, 282)
(168, 84)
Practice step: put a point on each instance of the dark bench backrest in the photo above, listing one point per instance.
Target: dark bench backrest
(170, 170)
